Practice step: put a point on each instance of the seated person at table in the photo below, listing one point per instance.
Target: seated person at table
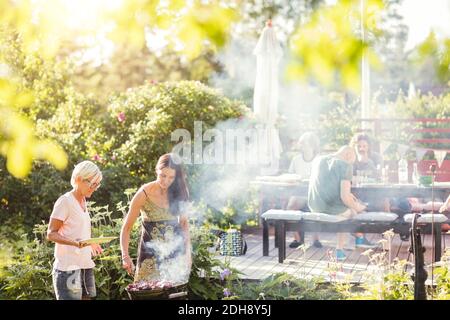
(330, 192)
(309, 145)
(371, 162)
(367, 160)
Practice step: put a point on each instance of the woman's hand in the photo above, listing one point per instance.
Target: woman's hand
(360, 207)
(96, 249)
(128, 265)
(189, 260)
(79, 244)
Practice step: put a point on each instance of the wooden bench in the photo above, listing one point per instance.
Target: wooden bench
(370, 222)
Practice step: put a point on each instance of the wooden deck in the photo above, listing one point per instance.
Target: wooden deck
(312, 262)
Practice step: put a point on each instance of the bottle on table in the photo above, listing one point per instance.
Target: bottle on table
(379, 174)
(403, 171)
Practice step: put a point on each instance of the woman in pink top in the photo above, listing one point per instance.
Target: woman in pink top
(73, 276)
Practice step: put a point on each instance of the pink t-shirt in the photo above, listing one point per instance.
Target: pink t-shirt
(76, 226)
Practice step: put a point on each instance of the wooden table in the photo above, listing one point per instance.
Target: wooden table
(276, 194)
(381, 191)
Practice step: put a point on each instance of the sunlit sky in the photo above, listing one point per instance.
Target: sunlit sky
(422, 16)
(419, 15)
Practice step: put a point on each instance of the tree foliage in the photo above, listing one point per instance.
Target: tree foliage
(326, 45)
(331, 43)
(125, 139)
(44, 34)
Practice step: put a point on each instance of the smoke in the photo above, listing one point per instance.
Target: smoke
(229, 167)
(298, 102)
(172, 264)
(229, 163)
(239, 70)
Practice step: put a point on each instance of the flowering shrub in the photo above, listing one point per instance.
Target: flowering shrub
(283, 286)
(389, 279)
(125, 140)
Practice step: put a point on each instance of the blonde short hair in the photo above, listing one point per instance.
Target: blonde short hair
(85, 169)
(311, 139)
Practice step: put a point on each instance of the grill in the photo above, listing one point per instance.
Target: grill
(175, 292)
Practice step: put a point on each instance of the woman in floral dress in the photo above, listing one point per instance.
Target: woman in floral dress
(164, 251)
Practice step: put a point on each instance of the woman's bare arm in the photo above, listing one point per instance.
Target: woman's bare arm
(54, 236)
(130, 219)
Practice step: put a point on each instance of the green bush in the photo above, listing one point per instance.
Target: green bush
(29, 201)
(73, 126)
(153, 112)
(421, 106)
(205, 274)
(239, 211)
(126, 151)
(339, 123)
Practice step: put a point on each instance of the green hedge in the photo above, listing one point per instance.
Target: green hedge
(126, 151)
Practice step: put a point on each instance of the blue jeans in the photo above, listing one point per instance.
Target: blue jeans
(74, 285)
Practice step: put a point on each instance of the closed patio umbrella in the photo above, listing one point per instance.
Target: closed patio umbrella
(265, 98)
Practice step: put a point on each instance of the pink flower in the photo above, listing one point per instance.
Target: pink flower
(113, 157)
(96, 157)
(121, 116)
